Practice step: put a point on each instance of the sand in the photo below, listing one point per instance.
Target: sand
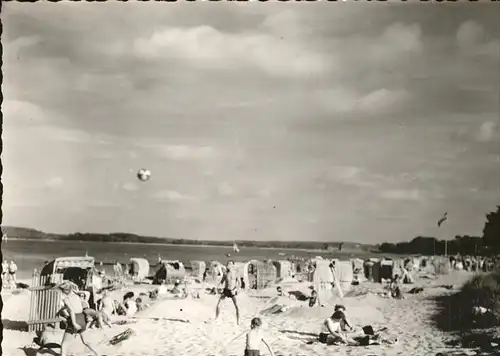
(289, 331)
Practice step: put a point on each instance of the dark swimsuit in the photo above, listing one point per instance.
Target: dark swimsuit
(323, 338)
(252, 352)
(80, 320)
(228, 293)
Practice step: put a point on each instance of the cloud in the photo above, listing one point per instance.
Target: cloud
(225, 189)
(55, 133)
(348, 175)
(382, 100)
(19, 110)
(13, 48)
(129, 186)
(488, 131)
(469, 34)
(181, 152)
(172, 196)
(102, 204)
(207, 47)
(472, 40)
(398, 38)
(399, 194)
(54, 182)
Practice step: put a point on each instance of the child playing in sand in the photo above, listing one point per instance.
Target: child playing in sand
(255, 338)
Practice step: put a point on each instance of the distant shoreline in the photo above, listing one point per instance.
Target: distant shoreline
(182, 245)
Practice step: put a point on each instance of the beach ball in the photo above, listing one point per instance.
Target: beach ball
(143, 174)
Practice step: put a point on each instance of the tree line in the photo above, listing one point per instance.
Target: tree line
(488, 243)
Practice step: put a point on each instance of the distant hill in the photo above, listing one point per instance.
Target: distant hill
(26, 233)
(14, 232)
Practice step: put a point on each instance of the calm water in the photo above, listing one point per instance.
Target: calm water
(32, 254)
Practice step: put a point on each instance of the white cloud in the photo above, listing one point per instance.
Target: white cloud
(349, 175)
(488, 131)
(55, 133)
(395, 41)
(182, 152)
(225, 189)
(19, 110)
(345, 100)
(472, 39)
(13, 48)
(381, 99)
(102, 204)
(207, 47)
(54, 182)
(129, 186)
(469, 34)
(401, 194)
(172, 196)
(401, 38)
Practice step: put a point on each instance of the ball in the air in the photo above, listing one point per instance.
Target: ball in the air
(143, 174)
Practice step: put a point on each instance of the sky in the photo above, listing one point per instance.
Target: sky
(356, 122)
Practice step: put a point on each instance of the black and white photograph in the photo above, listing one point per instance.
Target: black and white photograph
(258, 178)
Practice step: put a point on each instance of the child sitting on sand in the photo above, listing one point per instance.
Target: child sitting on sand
(313, 299)
(395, 288)
(344, 322)
(254, 338)
(279, 291)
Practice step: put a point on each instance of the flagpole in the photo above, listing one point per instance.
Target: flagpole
(440, 222)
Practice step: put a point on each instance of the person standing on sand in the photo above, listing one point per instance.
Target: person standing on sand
(12, 274)
(255, 338)
(5, 268)
(231, 287)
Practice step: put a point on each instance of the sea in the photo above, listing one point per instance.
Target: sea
(31, 254)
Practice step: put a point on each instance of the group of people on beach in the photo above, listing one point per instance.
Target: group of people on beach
(79, 317)
(9, 271)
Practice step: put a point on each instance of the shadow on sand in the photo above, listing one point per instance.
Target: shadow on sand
(299, 295)
(14, 325)
(301, 333)
(34, 351)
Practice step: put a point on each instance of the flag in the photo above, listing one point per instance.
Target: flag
(443, 219)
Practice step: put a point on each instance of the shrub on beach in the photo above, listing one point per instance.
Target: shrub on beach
(456, 312)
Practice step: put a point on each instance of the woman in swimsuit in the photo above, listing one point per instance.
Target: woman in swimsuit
(75, 318)
(331, 329)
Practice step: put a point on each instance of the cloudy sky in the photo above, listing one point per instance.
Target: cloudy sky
(318, 121)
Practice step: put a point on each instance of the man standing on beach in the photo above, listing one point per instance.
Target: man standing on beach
(12, 274)
(231, 287)
(5, 268)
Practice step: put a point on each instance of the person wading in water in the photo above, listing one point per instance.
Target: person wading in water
(231, 284)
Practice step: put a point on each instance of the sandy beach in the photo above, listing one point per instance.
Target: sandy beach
(408, 320)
